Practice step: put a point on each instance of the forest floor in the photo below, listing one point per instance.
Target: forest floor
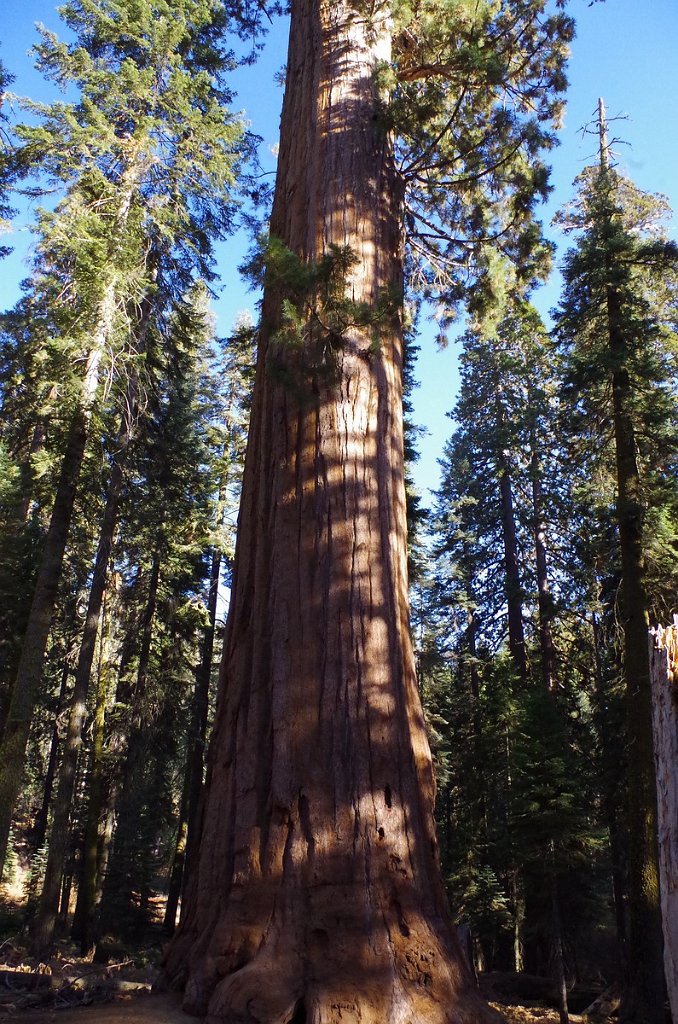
(69, 990)
(166, 1009)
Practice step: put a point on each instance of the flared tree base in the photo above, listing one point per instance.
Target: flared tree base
(335, 958)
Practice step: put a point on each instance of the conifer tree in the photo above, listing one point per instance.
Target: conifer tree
(619, 339)
(7, 167)
(316, 894)
(148, 151)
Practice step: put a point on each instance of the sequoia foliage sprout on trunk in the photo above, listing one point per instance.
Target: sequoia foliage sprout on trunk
(316, 894)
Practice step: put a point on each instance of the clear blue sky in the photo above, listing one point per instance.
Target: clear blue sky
(626, 51)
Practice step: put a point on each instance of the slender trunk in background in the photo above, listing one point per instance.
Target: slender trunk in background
(643, 997)
(119, 883)
(103, 796)
(557, 940)
(548, 675)
(40, 829)
(84, 918)
(611, 799)
(178, 862)
(544, 604)
(45, 921)
(512, 585)
(29, 672)
(193, 778)
(201, 708)
(644, 992)
(316, 893)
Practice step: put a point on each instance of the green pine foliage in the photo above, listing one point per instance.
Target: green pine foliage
(622, 244)
(474, 92)
(8, 170)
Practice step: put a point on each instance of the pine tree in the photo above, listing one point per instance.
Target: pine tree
(148, 152)
(614, 324)
(7, 168)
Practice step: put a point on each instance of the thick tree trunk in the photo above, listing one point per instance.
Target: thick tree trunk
(316, 895)
(664, 673)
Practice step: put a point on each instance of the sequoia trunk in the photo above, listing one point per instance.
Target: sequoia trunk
(316, 894)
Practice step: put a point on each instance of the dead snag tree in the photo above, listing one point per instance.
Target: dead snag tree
(316, 893)
(664, 684)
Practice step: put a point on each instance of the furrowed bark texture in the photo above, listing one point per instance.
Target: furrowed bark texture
(316, 895)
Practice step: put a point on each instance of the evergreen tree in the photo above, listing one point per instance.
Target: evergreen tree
(7, 168)
(317, 892)
(147, 154)
(615, 327)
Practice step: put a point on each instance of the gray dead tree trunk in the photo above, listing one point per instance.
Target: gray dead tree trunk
(664, 682)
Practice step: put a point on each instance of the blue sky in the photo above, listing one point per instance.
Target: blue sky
(625, 51)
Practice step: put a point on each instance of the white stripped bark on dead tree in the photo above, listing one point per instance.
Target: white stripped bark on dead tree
(664, 679)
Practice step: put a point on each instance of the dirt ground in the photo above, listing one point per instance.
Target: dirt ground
(70, 990)
(147, 1008)
(166, 1009)
(156, 1008)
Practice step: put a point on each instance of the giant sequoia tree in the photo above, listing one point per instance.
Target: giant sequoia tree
(316, 893)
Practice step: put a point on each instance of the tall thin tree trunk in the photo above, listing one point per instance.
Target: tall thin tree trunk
(29, 673)
(42, 817)
(557, 939)
(193, 779)
(512, 584)
(84, 918)
(610, 757)
(544, 604)
(178, 862)
(317, 895)
(201, 708)
(118, 884)
(43, 928)
(643, 996)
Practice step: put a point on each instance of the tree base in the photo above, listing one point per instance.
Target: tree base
(387, 975)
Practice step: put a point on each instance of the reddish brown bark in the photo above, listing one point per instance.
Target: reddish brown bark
(316, 893)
